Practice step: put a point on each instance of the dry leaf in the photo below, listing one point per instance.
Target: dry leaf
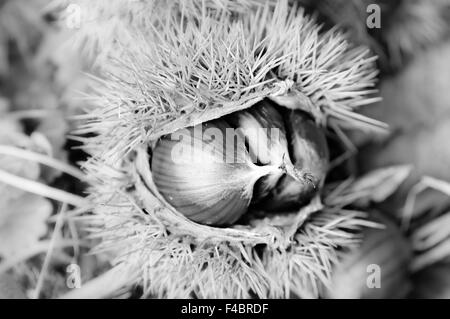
(415, 105)
(23, 216)
(23, 222)
(381, 183)
(427, 150)
(375, 186)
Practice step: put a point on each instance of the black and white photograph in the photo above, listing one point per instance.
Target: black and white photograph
(225, 153)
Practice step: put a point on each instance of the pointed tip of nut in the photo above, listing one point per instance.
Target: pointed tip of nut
(304, 177)
(298, 174)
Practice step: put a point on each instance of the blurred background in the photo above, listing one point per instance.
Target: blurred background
(44, 78)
